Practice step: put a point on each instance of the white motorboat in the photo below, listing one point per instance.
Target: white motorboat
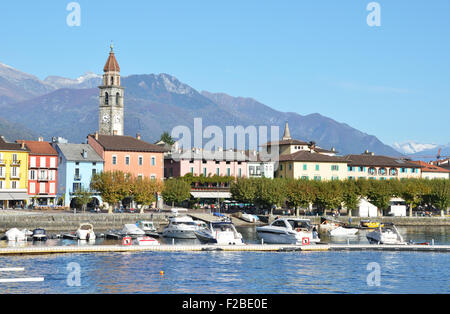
(15, 235)
(249, 218)
(148, 227)
(131, 230)
(147, 241)
(85, 232)
(221, 232)
(289, 231)
(326, 225)
(343, 232)
(385, 235)
(201, 224)
(181, 228)
(39, 234)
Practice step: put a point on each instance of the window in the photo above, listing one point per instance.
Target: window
(32, 188)
(290, 166)
(318, 178)
(240, 172)
(77, 174)
(114, 160)
(2, 172)
(305, 167)
(106, 99)
(305, 178)
(153, 177)
(154, 161)
(94, 164)
(281, 167)
(141, 160)
(1, 185)
(14, 157)
(94, 172)
(117, 99)
(139, 177)
(350, 168)
(362, 169)
(217, 171)
(127, 160)
(334, 178)
(192, 170)
(13, 185)
(204, 172)
(33, 162)
(112, 80)
(14, 172)
(279, 223)
(76, 187)
(52, 188)
(317, 167)
(334, 168)
(228, 172)
(52, 162)
(43, 174)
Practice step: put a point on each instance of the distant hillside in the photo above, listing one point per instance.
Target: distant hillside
(13, 131)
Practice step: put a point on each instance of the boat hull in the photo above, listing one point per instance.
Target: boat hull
(179, 234)
(285, 238)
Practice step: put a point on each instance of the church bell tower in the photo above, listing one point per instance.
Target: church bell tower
(111, 99)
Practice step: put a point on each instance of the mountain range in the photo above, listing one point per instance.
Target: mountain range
(58, 106)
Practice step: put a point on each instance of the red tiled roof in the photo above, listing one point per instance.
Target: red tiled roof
(378, 161)
(426, 167)
(111, 64)
(313, 157)
(39, 148)
(127, 144)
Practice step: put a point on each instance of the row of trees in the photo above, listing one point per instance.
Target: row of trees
(114, 186)
(329, 195)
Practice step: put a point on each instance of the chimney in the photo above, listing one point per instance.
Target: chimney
(115, 132)
(40, 139)
(22, 145)
(84, 154)
(96, 135)
(138, 136)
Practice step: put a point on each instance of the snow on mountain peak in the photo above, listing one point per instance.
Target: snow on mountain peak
(412, 147)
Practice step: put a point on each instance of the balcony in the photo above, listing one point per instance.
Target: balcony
(77, 177)
(43, 179)
(15, 163)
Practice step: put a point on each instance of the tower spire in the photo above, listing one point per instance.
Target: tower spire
(287, 133)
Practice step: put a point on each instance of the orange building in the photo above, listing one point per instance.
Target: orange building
(130, 155)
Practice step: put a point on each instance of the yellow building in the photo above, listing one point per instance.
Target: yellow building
(13, 174)
(302, 160)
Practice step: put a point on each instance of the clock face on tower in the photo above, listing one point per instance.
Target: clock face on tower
(117, 119)
(105, 118)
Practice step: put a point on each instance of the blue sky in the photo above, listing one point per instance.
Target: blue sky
(303, 56)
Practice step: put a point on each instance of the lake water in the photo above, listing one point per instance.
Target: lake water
(240, 272)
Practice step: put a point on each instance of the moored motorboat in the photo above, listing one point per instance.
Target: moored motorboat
(343, 232)
(15, 235)
(370, 224)
(181, 228)
(131, 230)
(249, 218)
(39, 234)
(147, 241)
(148, 227)
(327, 225)
(385, 235)
(220, 232)
(289, 231)
(85, 232)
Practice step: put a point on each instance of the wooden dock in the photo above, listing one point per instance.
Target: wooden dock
(44, 250)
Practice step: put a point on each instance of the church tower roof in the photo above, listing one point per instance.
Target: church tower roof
(287, 133)
(111, 64)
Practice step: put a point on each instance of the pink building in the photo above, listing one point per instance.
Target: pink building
(228, 163)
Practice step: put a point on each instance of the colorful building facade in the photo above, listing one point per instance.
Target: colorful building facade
(42, 172)
(13, 174)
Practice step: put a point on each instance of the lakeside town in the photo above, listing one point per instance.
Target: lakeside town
(61, 175)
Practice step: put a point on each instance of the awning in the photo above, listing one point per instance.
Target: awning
(13, 196)
(214, 195)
